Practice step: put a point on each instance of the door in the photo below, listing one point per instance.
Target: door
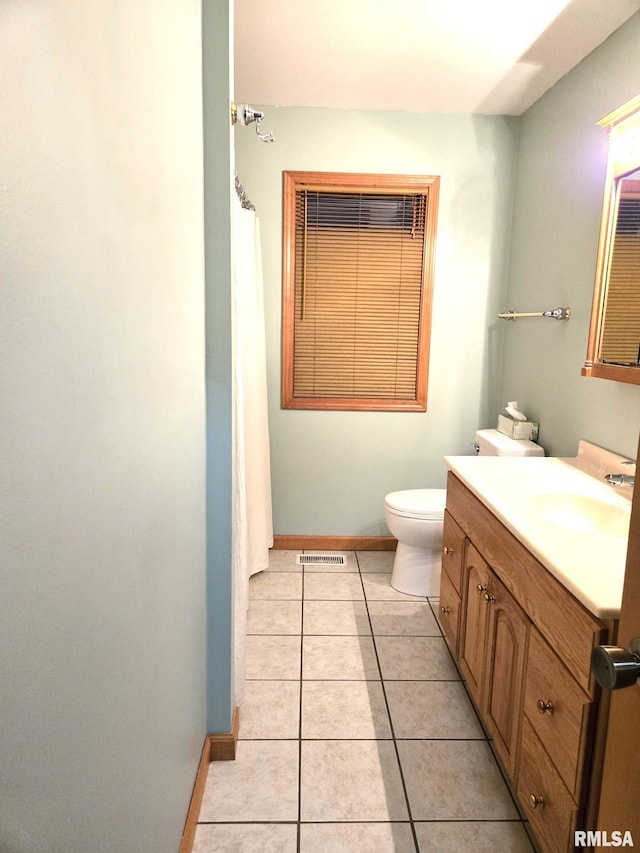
(474, 629)
(621, 779)
(506, 654)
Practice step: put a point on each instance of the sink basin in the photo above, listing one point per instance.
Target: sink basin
(583, 514)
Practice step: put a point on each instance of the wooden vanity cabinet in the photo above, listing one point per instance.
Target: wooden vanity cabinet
(523, 646)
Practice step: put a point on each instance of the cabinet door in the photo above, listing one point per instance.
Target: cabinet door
(476, 574)
(507, 638)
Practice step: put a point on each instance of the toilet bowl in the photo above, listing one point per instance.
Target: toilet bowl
(415, 517)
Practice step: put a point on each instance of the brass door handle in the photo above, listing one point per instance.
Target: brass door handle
(536, 802)
(445, 610)
(489, 599)
(481, 588)
(446, 550)
(544, 707)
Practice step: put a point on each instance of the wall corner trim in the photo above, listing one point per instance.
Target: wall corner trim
(223, 745)
(217, 747)
(191, 823)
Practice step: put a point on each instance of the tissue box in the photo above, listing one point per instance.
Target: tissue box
(518, 429)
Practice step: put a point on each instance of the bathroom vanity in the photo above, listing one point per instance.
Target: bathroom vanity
(525, 596)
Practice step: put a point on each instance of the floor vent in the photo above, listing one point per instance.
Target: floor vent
(321, 560)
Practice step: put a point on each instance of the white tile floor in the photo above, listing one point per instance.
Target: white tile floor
(356, 733)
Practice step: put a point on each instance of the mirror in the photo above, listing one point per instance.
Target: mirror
(613, 350)
(620, 341)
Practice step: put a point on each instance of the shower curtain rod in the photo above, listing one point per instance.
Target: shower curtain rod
(245, 114)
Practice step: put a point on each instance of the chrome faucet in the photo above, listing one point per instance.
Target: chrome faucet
(622, 479)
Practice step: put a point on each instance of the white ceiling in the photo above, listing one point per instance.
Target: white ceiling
(456, 56)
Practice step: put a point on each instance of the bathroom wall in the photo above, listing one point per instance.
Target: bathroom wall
(217, 72)
(331, 470)
(561, 170)
(102, 630)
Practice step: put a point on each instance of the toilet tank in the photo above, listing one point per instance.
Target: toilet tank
(493, 443)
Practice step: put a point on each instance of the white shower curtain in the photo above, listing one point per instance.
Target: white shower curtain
(252, 520)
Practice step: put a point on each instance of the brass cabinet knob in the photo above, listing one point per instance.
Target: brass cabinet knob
(481, 588)
(536, 802)
(445, 610)
(446, 550)
(489, 599)
(544, 707)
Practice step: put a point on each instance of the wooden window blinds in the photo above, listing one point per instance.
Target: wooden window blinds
(621, 331)
(358, 259)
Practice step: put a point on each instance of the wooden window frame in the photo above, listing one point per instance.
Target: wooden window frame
(353, 182)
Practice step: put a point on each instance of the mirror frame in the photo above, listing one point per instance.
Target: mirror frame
(623, 128)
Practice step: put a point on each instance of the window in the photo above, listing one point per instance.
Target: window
(621, 333)
(358, 260)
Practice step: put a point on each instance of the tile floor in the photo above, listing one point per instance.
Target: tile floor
(356, 733)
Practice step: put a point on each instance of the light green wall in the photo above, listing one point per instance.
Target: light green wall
(331, 470)
(217, 25)
(102, 444)
(561, 169)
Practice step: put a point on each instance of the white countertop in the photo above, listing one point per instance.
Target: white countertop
(589, 564)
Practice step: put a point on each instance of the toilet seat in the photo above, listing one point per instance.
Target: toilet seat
(417, 503)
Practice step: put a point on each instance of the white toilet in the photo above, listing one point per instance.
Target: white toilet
(415, 518)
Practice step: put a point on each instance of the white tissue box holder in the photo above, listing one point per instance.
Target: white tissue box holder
(520, 430)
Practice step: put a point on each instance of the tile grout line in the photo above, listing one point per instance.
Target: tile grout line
(487, 738)
(299, 827)
(461, 679)
(354, 821)
(386, 702)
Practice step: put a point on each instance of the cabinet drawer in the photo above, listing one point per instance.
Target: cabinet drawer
(559, 711)
(545, 800)
(449, 611)
(452, 551)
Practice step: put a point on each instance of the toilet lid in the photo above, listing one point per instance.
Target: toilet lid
(418, 503)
